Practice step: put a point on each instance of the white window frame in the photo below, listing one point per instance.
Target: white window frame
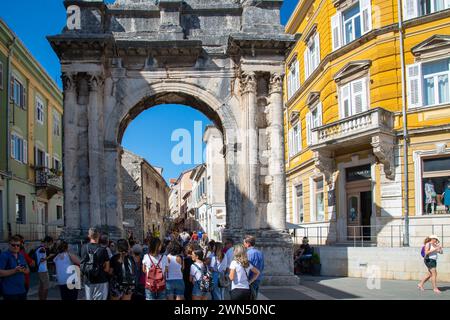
(18, 92)
(22, 157)
(295, 139)
(412, 8)
(293, 83)
(338, 23)
(313, 198)
(416, 84)
(312, 54)
(312, 123)
(56, 158)
(40, 111)
(296, 211)
(351, 97)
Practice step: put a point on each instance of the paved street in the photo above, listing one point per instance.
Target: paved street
(325, 288)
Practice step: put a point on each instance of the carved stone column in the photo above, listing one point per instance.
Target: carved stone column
(95, 152)
(70, 138)
(248, 95)
(277, 168)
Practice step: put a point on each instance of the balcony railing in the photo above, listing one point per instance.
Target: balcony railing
(357, 126)
(45, 178)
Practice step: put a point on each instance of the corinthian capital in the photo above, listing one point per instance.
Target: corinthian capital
(248, 81)
(94, 81)
(276, 83)
(68, 81)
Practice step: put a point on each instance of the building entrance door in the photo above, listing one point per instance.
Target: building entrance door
(359, 203)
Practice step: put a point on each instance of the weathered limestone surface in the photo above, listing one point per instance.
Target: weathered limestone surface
(224, 58)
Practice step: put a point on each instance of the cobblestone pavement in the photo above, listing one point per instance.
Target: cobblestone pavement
(326, 288)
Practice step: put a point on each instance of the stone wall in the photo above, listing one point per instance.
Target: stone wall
(393, 263)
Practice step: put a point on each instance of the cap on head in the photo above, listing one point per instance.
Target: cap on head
(433, 236)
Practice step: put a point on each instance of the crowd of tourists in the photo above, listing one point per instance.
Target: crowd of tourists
(182, 266)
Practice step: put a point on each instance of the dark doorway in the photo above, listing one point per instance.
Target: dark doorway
(366, 213)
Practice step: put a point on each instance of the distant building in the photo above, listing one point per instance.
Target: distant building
(178, 191)
(145, 196)
(31, 108)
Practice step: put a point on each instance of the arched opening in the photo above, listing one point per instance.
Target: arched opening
(184, 186)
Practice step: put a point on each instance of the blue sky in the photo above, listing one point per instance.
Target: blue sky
(149, 135)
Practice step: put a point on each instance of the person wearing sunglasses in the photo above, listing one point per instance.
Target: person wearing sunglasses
(13, 268)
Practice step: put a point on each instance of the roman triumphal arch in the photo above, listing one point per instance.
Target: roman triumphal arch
(223, 57)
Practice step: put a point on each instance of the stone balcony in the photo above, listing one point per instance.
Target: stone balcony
(48, 182)
(373, 128)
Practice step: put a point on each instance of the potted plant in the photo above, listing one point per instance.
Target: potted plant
(316, 266)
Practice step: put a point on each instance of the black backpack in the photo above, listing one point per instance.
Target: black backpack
(89, 267)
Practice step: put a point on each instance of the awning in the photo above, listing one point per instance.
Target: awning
(293, 226)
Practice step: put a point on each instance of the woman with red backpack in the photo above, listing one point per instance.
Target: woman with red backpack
(154, 266)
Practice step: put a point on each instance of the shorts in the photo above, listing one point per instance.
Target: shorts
(117, 290)
(196, 292)
(155, 295)
(175, 288)
(44, 280)
(430, 263)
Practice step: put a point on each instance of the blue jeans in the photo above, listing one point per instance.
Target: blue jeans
(175, 288)
(155, 295)
(256, 286)
(196, 291)
(217, 293)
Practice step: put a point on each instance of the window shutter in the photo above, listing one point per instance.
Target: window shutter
(345, 99)
(297, 75)
(25, 151)
(306, 59)
(357, 94)
(366, 14)
(13, 146)
(308, 129)
(24, 97)
(36, 157)
(317, 48)
(290, 142)
(414, 75)
(319, 112)
(336, 30)
(289, 83)
(410, 9)
(299, 137)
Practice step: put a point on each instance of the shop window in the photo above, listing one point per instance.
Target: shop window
(436, 185)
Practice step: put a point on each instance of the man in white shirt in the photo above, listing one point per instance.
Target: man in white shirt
(41, 260)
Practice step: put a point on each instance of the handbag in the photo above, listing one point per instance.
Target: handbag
(253, 293)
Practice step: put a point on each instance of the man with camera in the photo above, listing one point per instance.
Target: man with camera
(13, 268)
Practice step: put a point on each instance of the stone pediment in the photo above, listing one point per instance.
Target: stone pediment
(434, 43)
(313, 97)
(293, 117)
(352, 68)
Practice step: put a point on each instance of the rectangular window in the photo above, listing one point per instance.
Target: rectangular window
(56, 164)
(299, 209)
(313, 120)
(20, 209)
(319, 200)
(19, 149)
(156, 185)
(158, 207)
(436, 185)
(293, 78)
(354, 98)
(59, 212)
(40, 115)
(350, 24)
(416, 8)
(295, 139)
(428, 83)
(18, 93)
(56, 124)
(312, 55)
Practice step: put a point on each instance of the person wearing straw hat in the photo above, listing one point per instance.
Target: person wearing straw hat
(432, 248)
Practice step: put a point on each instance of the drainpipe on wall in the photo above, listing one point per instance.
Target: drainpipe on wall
(405, 125)
(8, 134)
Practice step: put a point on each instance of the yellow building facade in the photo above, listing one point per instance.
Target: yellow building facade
(344, 124)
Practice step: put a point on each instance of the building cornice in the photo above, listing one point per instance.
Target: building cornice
(299, 14)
